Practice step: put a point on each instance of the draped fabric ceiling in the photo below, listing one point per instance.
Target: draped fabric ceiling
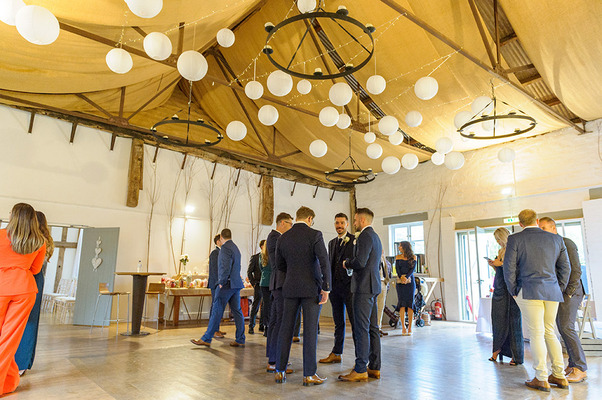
(563, 40)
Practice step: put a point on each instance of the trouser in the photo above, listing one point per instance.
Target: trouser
(27, 348)
(266, 306)
(255, 306)
(311, 314)
(225, 296)
(14, 311)
(567, 314)
(297, 330)
(339, 302)
(381, 300)
(274, 329)
(367, 339)
(211, 308)
(540, 318)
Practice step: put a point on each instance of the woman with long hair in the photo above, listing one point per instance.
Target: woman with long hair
(27, 348)
(405, 264)
(264, 284)
(505, 314)
(22, 253)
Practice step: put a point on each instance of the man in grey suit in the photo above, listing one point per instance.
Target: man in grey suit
(567, 310)
(536, 271)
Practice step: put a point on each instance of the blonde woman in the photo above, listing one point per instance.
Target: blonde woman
(505, 314)
(22, 253)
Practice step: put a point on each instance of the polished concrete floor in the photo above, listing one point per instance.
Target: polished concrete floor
(445, 361)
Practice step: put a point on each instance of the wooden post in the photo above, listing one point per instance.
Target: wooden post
(59, 262)
(352, 207)
(135, 172)
(267, 200)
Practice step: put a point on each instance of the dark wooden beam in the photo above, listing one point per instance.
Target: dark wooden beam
(184, 161)
(59, 263)
(134, 173)
(65, 245)
(237, 177)
(93, 104)
(156, 154)
(522, 68)
(180, 38)
(496, 23)
(508, 39)
(531, 79)
(554, 101)
(316, 191)
(31, 118)
(122, 102)
(113, 138)
(294, 187)
(139, 30)
(73, 129)
(142, 107)
(332, 195)
(292, 153)
(484, 38)
(213, 173)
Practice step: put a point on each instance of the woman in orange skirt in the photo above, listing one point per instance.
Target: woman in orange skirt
(22, 252)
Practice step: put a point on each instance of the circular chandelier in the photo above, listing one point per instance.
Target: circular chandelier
(340, 17)
(349, 172)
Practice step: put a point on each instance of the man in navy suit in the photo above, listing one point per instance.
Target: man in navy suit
(229, 284)
(536, 271)
(213, 274)
(365, 286)
(301, 254)
(339, 249)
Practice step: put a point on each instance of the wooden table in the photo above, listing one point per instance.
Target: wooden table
(139, 280)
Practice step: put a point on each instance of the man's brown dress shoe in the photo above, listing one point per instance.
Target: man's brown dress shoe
(280, 377)
(374, 373)
(219, 334)
(200, 342)
(313, 380)
(539, 385)
(382, 333)
(331, 359)
(296, 339)
(236, 344)
(562, 383)
(576, 375)
(272, 368)
(354, 377)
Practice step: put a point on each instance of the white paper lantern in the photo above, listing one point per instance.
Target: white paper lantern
(37, 25)
(225, 37)
(145, 8)
(119, 61)
(438, 158)
(391, 165)
(396, 138)
(344, 121)
(157, 45)
(426, 88)
(254, 90)
(413, 119)
(192, 65)
(306, 6)
(9, 10)
(444, 145)
(461, 118)
(454, 160)
(388, 125)
(409, 161)
(482, 105)
(369, 137)
(236, 130)
(376, 84)
(318, 148)
(374, 151)
(506, 155)
(340, 94)
(329, 116)
(268, 115)
(304, 86)
(280, 83)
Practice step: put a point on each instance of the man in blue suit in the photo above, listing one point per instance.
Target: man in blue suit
(301, 254)
(213, 275)
(229, 284)
(536, 271)
(365, 286)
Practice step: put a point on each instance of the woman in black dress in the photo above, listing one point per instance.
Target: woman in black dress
(405, 264)
(505, 314)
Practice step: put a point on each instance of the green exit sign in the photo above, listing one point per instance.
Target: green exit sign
(512, 220)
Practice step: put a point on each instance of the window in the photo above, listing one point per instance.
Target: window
(411, 232)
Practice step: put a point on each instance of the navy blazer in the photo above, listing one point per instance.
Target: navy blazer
(536, 261)
(213, 270)
(366, 263)
(229, 266)
(254, 270)
(301, 254)
(337, 253)
(276, 277)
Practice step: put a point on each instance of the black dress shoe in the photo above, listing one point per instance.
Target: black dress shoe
(251, 331)
(261, 328)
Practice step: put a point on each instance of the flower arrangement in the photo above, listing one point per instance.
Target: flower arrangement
(184, 259)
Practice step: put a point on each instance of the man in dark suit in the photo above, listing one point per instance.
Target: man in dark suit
(213, 275)
(254, 275)
(284, 222)
(339, 249)
(301, 254)
(229, 284)
(365, 286)
(536, 271)
(567, 310)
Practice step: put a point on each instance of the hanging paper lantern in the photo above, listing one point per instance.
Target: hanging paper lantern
(396, 138)
(374, 151)
(438, 158)
(225, 37)
(444, 145)
(413, 119)
(192, 65)
(254, 90)
(318, 148)
(461, 118)
(9, 10)
(306, 6)
(119, 61)
(506, 155)
(145, 8)
(268, 115)
(376, 84)
(454, 160)
(157, 45)
(340, 94)
(482, 105)
(344, 121)
(426, 88)
(329, 116)
(369, 137)
(304, 86)
(409, 161)
(391, 165)
(37, 25)
(280, 83)
(388, 125)
(236, 130)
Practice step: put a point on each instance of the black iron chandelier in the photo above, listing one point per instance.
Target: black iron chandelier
(349, 172)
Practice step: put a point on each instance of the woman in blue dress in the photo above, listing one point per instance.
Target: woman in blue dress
(405, 264)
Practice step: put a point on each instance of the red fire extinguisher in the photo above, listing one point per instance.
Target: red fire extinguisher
(438, 310)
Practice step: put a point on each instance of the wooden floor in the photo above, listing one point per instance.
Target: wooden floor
(445, 361)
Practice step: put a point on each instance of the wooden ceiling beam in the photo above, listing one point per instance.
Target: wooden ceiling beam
(531, 79)
(508, 39)
(95, 105)
(477, 18)
(522, 68)
(142, 107)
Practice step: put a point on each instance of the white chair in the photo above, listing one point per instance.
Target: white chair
(64, 308)
(48, 298)
(69, 293)
(103, 290)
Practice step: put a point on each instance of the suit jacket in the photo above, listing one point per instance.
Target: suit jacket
(536, 262)
(213, 269)
(366, 263)
(254, 270)
(337, 253)
(276, 277)
(301, 254)
(575, 286)
(229, 266)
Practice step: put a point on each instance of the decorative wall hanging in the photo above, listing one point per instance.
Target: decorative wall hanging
(96, 261)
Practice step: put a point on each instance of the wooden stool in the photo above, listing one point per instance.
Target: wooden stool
(103, 290)
(154, 289)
